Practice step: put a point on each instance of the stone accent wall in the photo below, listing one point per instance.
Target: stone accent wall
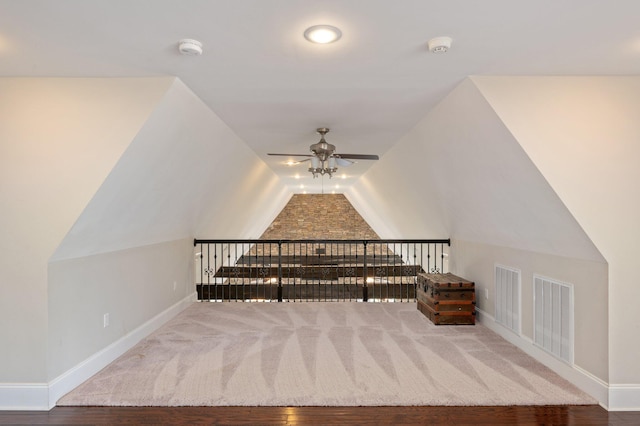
(319, 216)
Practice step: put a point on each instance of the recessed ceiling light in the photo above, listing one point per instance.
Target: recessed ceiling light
(322, 34)
(439, 44)
(190, 47)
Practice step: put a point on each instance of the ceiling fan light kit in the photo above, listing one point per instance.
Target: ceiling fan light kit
(318, 167)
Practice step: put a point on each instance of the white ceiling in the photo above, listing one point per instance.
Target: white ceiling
(273, 88)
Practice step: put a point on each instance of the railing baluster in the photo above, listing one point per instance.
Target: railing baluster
(201, 272)
(402, 274)
(375, 273)
(320, 270)
(293, 263)
(279, 271)
(388, 277)
(355, 274)
(365, 289)
(209, 271)
(270, 284)
(330, 276)
(344, 271)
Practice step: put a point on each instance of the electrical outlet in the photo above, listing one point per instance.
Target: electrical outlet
(105, 320)
(486, 293)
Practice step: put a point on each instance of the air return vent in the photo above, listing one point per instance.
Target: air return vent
(508, 297)
(553, 317)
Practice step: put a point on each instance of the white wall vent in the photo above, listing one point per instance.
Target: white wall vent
(553, 317)
(508, 302)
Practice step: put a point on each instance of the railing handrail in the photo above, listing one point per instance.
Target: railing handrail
(330, 241)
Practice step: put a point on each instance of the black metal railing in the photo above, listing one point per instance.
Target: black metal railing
(315, 270)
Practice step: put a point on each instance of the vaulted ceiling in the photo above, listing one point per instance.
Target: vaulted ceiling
(273, 88)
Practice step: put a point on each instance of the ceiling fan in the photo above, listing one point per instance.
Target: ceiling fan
(323, 158)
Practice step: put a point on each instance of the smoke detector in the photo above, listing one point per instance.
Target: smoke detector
(190, 47)
(439, 44)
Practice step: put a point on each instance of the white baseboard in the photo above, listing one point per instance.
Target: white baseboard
(24, 396)
(582, 379)
(624, 397)
(43, 396)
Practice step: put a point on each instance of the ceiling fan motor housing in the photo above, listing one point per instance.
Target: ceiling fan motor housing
(323, 150)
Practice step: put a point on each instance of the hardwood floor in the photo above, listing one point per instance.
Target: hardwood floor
(512, 415)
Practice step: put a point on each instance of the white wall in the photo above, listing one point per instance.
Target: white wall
(477, 260)
(59, 138)
(461, 173)
(108, 182)
(582, 133)
(131, 285)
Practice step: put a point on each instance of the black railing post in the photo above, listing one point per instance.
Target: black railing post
(201, 292)
(279, 271)
(209, 270)
(365, 289)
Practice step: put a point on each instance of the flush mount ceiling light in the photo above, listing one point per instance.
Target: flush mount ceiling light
(439, 44)
(190, 47)
(322, 34)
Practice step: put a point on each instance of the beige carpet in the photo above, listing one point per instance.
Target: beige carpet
(298, 354)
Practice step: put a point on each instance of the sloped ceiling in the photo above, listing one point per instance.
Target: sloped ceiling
(184, 172)
(60, 139)
(582, 134)
(460, 173)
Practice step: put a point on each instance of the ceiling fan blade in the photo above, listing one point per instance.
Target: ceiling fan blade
(293, 155)
(357, 156)
(342, 162)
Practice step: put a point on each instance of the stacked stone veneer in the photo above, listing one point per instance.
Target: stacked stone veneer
(319, 217)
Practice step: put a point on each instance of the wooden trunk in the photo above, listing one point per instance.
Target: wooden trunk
(447, 299)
